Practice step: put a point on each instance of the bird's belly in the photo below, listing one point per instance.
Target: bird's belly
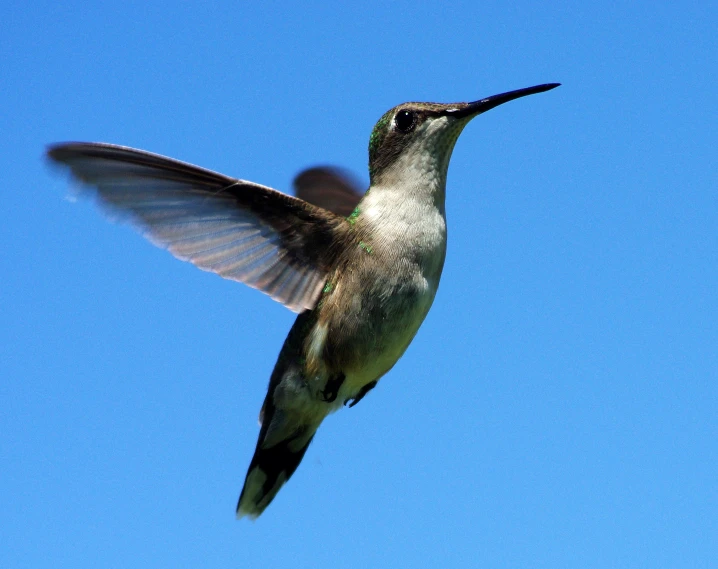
(375, 306)
(381, 339)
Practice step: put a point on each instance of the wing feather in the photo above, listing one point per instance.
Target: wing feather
(240, 230)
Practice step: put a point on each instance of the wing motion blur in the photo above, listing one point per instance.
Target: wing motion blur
(329, 188)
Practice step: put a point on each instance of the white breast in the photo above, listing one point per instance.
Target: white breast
(415, 234)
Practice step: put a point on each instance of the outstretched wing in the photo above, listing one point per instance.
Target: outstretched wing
(329, 188)
(242, 231)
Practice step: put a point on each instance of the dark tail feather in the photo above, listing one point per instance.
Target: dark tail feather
(270, 468)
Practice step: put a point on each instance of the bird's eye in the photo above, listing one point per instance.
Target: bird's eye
(404, 120)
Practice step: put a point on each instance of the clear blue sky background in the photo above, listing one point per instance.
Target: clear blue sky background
(559, 407)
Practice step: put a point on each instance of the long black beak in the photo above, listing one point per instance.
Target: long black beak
(483, 105)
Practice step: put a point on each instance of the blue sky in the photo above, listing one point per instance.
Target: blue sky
(557, 409)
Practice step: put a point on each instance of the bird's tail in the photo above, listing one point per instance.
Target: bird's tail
(280, 448)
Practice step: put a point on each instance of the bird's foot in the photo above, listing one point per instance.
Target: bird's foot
(362, 392)
(332, 387)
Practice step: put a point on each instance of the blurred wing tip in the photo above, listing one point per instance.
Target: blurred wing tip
(61, 151)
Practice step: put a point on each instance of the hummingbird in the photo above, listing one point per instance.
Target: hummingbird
(360, 271)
